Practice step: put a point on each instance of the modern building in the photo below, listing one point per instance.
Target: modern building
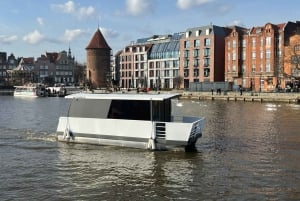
(202, 55)
(98, 54)
(150, 62)
(133, 65)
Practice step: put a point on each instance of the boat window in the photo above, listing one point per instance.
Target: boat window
(86, 108)
(162, 111)
(129, 109)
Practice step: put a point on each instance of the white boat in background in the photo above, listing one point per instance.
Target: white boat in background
(31, 90)
(129, 120)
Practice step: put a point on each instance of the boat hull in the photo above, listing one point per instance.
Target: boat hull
(130, 133)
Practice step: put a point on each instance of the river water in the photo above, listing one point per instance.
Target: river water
(249, 151)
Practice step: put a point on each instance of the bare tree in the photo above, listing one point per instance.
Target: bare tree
(178, 81)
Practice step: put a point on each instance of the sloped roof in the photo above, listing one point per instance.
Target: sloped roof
(98, 41)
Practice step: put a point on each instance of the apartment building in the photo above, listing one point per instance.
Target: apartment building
(133, 65)
(202, 54)
(150, 62)
(255, 58)
(163, 62)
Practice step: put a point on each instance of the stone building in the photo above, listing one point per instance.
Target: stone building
(55, 67)
(98, 54)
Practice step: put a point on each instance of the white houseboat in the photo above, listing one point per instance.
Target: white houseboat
(130, 120)
(31, 90)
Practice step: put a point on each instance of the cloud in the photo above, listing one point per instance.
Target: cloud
(138, 7)
(187, 4)
(40, 21)
(109, 33)
(70, 35)
(71, 8)
(236, 23)
(33, 37)
(8, 39)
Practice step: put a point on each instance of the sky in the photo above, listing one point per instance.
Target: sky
(30, 28)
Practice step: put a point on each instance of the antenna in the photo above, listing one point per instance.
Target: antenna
(98, 22)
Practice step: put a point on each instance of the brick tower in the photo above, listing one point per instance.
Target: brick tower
(98, 61)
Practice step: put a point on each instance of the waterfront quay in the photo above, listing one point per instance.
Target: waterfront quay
(245, 96)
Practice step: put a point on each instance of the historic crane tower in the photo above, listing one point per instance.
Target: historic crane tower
(98, 55)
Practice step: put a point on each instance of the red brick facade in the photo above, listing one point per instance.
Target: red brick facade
(98, 61)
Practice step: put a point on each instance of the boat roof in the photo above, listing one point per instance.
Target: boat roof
(125, 96)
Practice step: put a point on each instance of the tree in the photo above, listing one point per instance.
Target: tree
(177, 81)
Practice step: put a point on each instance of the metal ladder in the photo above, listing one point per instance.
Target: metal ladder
(160, 132)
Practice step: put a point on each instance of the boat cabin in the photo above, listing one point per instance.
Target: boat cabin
(145, 107)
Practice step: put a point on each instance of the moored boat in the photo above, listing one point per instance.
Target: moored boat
(30, 90)
(130, 120)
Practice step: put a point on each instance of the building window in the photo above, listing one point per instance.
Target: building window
(186, 63)
(207, 31)
(175, 63)
(268, 67)
(233, 56)
(234, 44)
(206, 72)
(296, 48)
(268, 41)
(254, 42)
(186, 44)
(196, 52)
(206, 52)
(206, 62)
(253, 68)
(196, 43)
(253, 55)
(186, 72)
(244, 56)
(207, 42)
(175, 73)
(233, 68)
(268, 54)
(228, 45)
(244, 43)
(196, 72)
(186, 53)
(196, 62)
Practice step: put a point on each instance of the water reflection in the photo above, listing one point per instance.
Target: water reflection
(128, 173)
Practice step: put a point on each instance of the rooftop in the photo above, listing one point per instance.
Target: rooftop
(98, 41)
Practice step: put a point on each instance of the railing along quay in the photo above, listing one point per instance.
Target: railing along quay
(245, 96)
